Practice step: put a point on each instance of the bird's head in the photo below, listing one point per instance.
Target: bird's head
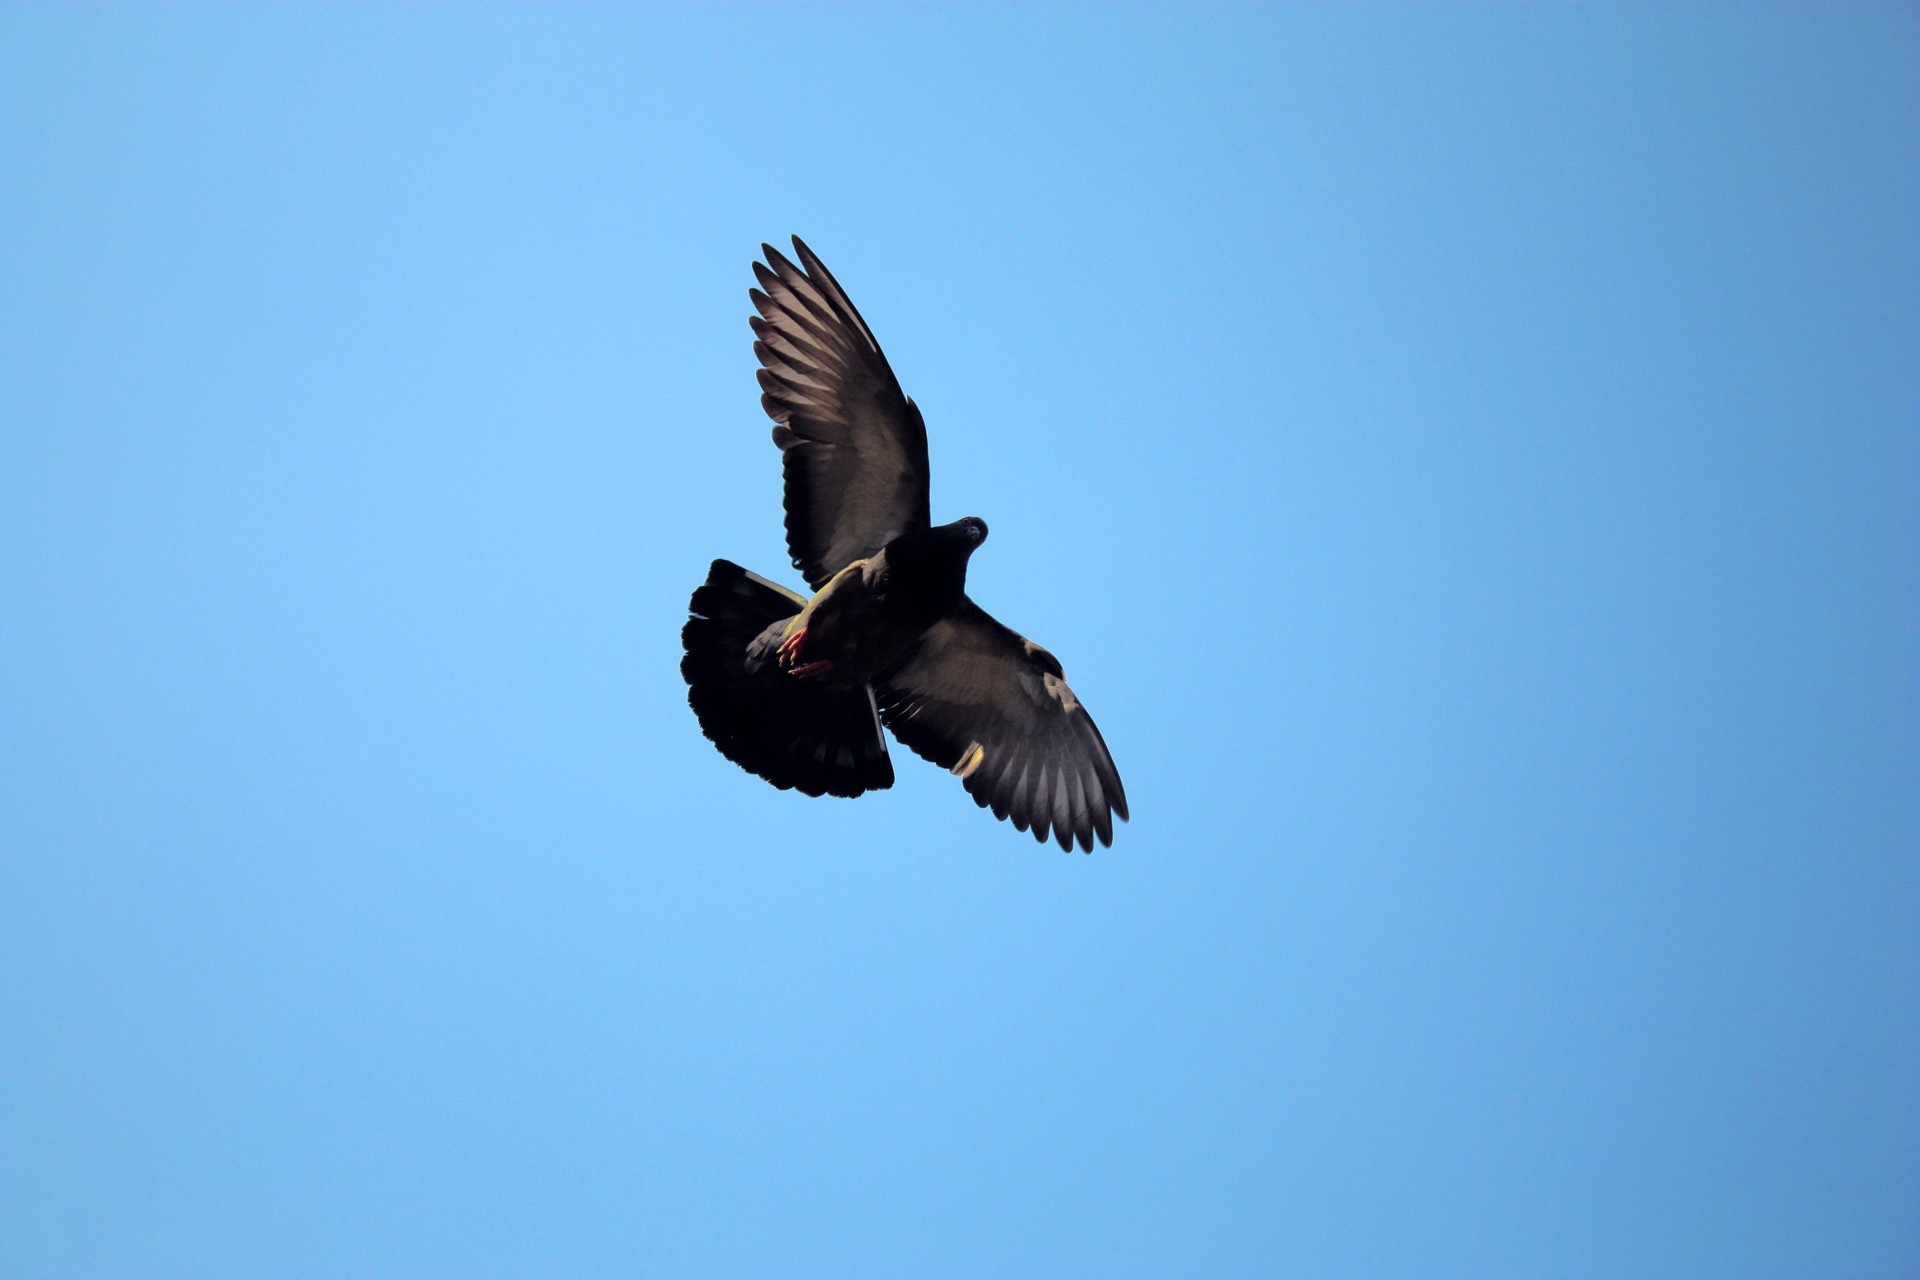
(959, 540)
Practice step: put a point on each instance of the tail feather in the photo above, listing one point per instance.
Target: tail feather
(794, 733)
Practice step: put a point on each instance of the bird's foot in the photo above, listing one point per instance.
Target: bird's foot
(810, 669)
(789, 650)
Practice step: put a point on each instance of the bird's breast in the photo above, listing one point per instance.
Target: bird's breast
(860, 626)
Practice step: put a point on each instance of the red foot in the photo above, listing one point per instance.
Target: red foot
(789, 650)
(811, 669)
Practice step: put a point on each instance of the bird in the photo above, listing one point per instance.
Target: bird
(795, 688)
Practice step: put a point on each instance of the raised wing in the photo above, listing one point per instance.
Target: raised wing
(853, 447)
(993, 707)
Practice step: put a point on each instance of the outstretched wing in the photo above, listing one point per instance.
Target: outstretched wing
(993, 707)
(854, 449)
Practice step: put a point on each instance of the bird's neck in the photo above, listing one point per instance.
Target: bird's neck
(925, 577)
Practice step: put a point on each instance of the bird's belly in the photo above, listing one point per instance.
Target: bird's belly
(861, 649)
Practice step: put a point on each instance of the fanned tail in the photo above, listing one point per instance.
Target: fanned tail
(794, 733)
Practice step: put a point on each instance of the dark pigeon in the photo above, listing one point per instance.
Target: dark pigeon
(796, 689)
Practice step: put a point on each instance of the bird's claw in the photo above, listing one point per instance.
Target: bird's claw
(789, 650)
(790, 657)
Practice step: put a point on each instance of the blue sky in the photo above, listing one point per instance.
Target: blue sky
(1465, 457)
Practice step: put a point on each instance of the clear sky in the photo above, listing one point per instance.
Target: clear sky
(1467, 458)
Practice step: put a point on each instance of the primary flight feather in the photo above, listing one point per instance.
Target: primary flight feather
(795, 689)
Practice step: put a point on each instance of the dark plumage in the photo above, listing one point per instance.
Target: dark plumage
(795, 689)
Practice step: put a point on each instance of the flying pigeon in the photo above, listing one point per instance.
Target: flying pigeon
(795, 689)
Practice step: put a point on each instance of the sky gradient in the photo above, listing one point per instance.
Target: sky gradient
(1468, 459)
